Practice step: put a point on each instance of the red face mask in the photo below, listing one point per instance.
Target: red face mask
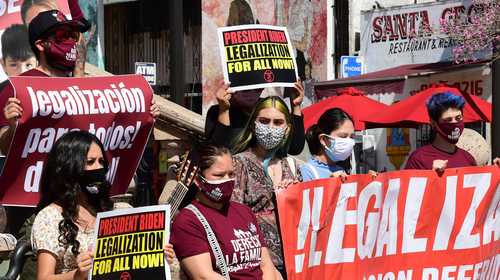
(62, 54)
(450, 131)
(218, 191)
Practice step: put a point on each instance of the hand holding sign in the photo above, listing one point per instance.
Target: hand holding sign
(168, 250)
(84, 262)
(496, 161)
(223, 97)
(12, 111)
(439, 165)
(299, 87)
(154, 109)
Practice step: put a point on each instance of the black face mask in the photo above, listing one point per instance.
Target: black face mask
(92, 182)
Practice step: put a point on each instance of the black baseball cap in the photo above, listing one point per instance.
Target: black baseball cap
(47, 20)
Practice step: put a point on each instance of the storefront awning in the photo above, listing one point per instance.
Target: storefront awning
(387, 81)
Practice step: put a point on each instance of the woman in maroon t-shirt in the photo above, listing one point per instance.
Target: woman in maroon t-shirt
(446, 118)
(215, 238)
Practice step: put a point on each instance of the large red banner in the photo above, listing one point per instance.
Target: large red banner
(400, 225)
(114, 108)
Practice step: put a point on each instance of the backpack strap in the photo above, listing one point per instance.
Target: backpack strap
(291, 164)
(212, 240)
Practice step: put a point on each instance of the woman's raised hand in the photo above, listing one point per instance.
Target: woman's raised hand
(224, 96)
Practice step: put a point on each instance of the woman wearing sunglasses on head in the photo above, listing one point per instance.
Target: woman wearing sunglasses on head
(330, 142)
(263, 167)
(213, 237)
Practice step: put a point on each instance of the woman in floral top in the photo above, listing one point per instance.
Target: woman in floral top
(73, 189)
(262, 167)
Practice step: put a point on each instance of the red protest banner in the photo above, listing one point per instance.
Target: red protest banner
(114, 108)
(402, 225)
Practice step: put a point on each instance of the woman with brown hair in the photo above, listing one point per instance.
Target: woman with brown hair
(214, 237)
(73, 189)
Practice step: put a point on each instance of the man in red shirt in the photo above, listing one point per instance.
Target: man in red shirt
(446, 114)
(53, 40)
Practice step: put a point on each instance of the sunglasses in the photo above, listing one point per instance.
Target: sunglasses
(64, 34)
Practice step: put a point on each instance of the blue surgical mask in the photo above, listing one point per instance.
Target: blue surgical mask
(339, 149)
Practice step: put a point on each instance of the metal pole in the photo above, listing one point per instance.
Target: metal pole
(495, 123)
(331, 40)
(176, 37)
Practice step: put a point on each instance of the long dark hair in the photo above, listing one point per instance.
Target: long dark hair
(64, 165)
(329, 121)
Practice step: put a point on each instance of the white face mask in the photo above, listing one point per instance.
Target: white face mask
(340, 148)
(267, 136)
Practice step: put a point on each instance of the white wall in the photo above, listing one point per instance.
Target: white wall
(355, 8)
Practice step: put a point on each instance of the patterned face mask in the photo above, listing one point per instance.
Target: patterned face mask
(267, 136)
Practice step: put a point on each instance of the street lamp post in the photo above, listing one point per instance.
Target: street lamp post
(495, 123)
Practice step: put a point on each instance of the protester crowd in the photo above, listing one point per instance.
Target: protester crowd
(244, 163)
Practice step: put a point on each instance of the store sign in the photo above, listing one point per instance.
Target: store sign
(474, 81)
(147, 70)
(410, 34)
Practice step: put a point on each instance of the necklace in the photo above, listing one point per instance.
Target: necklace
(85, 219)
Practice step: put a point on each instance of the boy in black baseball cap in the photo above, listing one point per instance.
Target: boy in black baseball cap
(53, 40)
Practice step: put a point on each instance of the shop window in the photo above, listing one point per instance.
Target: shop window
(424, 135)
